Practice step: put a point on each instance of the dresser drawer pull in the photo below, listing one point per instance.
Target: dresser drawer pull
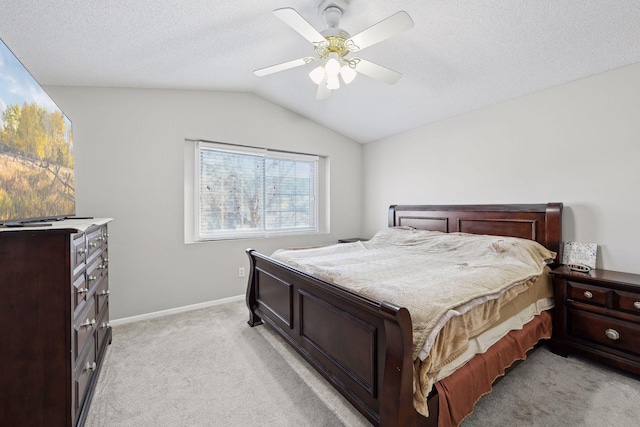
(612, 334)
(636, 305)
(88, 323)
(105, 325)
(90, 367)
(92, 245)
(83, 290)
(91, 278)
(588, 294)
(82, 251)
(104, 293)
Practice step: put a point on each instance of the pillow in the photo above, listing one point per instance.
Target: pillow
(402, 236)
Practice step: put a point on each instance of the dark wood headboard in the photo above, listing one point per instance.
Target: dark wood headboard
(539, 222)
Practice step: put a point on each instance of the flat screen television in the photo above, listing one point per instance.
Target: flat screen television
(36, 149)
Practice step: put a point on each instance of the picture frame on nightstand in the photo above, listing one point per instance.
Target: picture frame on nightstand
(579, 256)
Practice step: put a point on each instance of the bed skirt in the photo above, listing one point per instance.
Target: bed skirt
(459, 392)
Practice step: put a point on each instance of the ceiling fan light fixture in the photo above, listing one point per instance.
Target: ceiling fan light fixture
(327, 74)
(347, 73)
(317, 75)
(332, 66)
(333, 82)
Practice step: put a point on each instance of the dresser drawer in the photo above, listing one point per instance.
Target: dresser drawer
(102, 296)
(103, 327)
(78, 253)
(84, 369)
(627, 301)
(587, 293)
(83, 327)
(79, 293)
(105, 261)
(94, 273)
(94, 242)
(612, 333)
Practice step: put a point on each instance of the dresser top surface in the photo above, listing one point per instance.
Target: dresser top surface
(77, 224)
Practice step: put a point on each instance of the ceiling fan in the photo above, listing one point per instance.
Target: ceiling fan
(333, 45)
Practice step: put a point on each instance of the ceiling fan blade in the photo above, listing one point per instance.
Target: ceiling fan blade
(284, 66)
(383, 30)
(323, 91)
(376, 71)
(298, 23)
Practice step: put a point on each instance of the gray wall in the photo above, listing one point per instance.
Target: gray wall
(578, 144)
(129, 150)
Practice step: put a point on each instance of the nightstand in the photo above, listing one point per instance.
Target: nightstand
(598, 314)
(352, 239)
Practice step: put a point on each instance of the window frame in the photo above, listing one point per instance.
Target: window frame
(192, 193)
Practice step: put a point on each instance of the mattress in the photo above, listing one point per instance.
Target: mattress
(438, 277)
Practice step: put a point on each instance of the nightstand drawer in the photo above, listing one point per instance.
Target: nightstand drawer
(587, 293)
(628, 301)
(610, 332)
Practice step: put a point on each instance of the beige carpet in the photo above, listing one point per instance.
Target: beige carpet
(209, 368)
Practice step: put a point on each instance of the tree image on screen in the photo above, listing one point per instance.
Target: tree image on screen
(36, 149)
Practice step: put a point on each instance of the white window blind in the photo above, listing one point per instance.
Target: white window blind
(247, 192)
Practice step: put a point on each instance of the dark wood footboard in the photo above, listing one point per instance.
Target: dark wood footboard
(361, 346)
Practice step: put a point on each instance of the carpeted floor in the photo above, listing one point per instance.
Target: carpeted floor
(547, 390)
(209, 368)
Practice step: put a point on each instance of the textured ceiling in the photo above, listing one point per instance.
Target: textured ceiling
(460, 55)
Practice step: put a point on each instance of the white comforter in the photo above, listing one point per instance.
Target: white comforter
(434, 275)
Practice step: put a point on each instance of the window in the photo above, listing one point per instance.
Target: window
(251, 192)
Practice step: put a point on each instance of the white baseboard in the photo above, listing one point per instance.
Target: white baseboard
(176, 310)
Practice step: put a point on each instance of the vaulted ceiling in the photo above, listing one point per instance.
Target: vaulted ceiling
(460, 55)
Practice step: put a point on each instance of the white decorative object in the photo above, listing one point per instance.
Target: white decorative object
(580, 254)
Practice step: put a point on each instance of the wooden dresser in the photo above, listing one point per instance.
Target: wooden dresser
(54, 321)
(598, 314)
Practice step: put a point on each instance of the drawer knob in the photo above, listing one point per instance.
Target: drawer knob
(105, 325)
(90, 367)
(89, 323)
(82, 251)
(91, 278)
(103, 293)
(588, 294)
(612, 334)
(636, 305)
(83, 290)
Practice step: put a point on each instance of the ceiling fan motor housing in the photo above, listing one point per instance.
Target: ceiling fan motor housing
(340, 4)
(332, 16)
(336, 37)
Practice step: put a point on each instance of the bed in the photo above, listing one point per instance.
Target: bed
(364, 346)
